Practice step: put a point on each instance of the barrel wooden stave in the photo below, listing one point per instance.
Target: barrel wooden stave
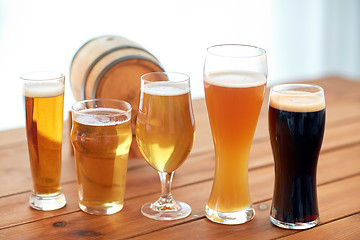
(110, 67)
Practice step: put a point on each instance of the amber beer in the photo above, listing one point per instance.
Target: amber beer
(44, 102)
(101, 137)
(296, 126)
(233, 101)
(165, 125)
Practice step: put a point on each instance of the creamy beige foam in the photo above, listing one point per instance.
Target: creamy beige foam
(49, 89)
(236, 79)
(297, 101)
(166, 89)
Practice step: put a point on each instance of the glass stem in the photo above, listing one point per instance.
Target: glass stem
(166, 179)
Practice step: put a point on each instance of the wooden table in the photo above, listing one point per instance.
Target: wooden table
(338, 186)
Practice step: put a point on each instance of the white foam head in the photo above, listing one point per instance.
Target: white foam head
(235, 79)
(166, 88)
(43, 89)
(43, 84)
(102, 117)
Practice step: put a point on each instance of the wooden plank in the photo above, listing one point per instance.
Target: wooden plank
(261, 228)
(12, 137)
(346, 228)
(143, 185)
(15, 209)
(129, 222)
(336, 87)
(15, 170)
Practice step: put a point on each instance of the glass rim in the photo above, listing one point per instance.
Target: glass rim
(261, 52)
(285, 87)
(83, 102)
(186, 77)
(36, 76)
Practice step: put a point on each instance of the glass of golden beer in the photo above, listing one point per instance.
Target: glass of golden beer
(101, 137)
(165, 131)
(44, 106)
(234, 81)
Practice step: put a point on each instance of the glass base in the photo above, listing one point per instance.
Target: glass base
(230, 218)
(106, 209)
(47, 202)
(176, 211)
(297, 225)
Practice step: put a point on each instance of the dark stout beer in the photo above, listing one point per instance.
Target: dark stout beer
(296, 131)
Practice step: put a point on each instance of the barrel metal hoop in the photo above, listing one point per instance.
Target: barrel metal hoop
(102, 73)
(102, 56)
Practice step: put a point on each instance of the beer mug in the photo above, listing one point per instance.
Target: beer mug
(296, 127)
(101, 137)
(44, 105)
(234, 82)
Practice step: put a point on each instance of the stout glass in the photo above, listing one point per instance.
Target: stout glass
(296, 126)
(234, 81)
(44, 105)
(101, 137)
(165, 131)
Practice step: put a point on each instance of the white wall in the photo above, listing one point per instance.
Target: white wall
(342, 38)
(303, 38)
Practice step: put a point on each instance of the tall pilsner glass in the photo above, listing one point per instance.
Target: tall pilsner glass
(165, 131)
(234, 81)
(44, 104)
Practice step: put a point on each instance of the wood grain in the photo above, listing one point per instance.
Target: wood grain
(261, 183)
(134, 224)
(338, 185)
(342, 229)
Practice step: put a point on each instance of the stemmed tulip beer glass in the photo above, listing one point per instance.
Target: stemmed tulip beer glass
(165, 131)
(234, 80)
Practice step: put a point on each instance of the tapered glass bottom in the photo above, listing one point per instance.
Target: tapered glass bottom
(47, 202)
(230, 218)
(167, 211)
(296, 225)
(102, 209)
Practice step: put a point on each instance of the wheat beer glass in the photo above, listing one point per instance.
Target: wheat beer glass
(101, 137)
(296, 127)
(44, 105)
(234, 82)
(165, 131)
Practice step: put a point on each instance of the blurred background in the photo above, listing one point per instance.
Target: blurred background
(304, 39)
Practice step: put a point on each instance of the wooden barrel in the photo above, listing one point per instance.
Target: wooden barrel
(111, 67)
